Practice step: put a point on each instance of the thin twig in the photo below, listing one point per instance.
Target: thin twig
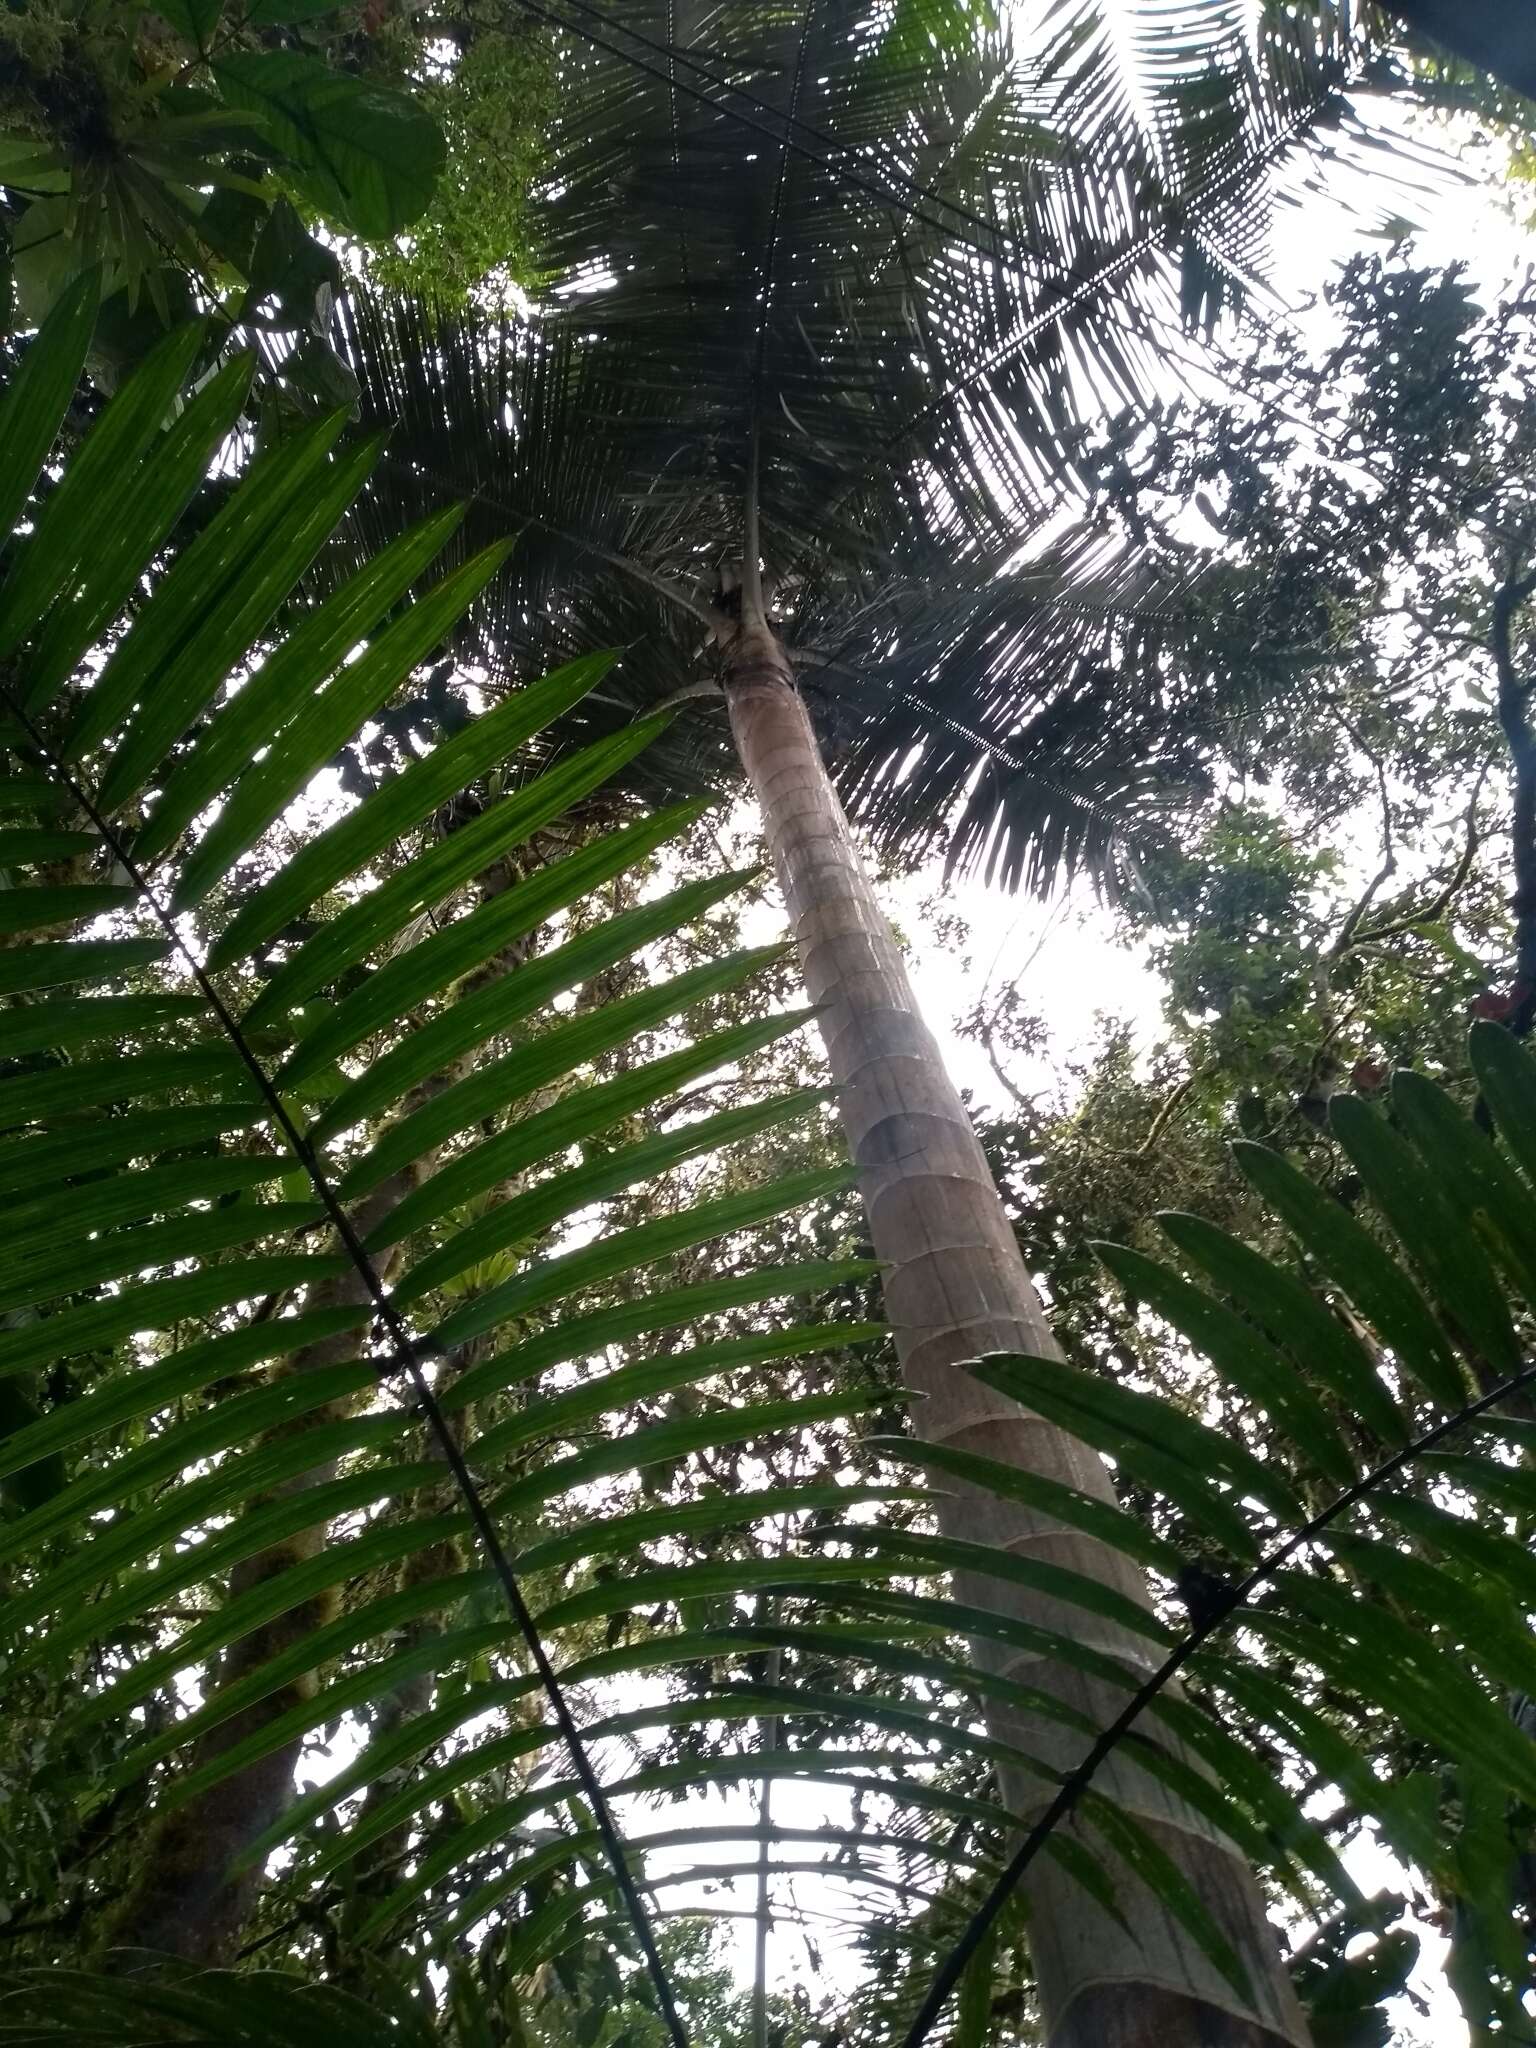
(1433, 912)
(1170, 1107)
(1388, 868)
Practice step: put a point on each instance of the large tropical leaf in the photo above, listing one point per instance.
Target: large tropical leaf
(1394, 1382)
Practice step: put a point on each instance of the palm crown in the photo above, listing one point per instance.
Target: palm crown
(834, 290)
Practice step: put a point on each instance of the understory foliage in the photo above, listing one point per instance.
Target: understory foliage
(238, 1288)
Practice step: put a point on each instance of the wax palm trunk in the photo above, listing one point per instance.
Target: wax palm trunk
(956, 1286)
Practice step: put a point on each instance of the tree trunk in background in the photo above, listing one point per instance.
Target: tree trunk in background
(956, 1286)
(185, 1899)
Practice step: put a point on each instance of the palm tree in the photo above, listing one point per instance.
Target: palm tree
(832, 291)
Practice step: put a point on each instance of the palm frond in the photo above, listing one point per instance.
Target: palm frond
(858, 283)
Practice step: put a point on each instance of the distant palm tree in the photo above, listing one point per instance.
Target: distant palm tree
(832, 288)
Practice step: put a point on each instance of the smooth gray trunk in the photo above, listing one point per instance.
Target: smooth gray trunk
(956, 1286)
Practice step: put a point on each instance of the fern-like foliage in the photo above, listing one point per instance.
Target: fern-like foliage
(1359, 1571)
(304, 1296)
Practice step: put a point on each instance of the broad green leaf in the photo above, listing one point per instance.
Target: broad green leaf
(390, 1749)
(1051, 1581)
(161, 1526)
(950, 1618)
(1482, 1551)
(621, 1535)
(166, 484)
(1356, 1263)
(627, 1251)
(229, 1424)
(1477, 1617)
(435, 1653)
(127, 1197)
(206, 573)
(472, 1017)
(661, 1442)
(1447, 1253)
(864, 1770)
(368, 157)
(493, 1085)
(87, 509)
(1357, 1643)
(28, 792)
(419, 790)
(29, 846)
(1239, 1353)
(386, 911)
(1471, 1174)
(258, 1528)
(561, 1196)
(455, 951)
(30, 1164)
(339, 1563)
(67, 1268)
(35, 1096)
(1244, 1776)
(37, 397)
(57, 964)
(194, 19)
(670, 1308)
(309, 740)
(288, 677)
(1503, 1068)
(1511, 1487)
(1084, 1868)
(40, 906)
(574, 1117)
(1143, 1854)
(156, 1304)
(1155, 1441)
(145, 1390)
(726, 1578)
(1277, 1703)
(1058, 1503)
(549, 1417)
(65, 1022)
(1293, 1317)
(274, 553)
